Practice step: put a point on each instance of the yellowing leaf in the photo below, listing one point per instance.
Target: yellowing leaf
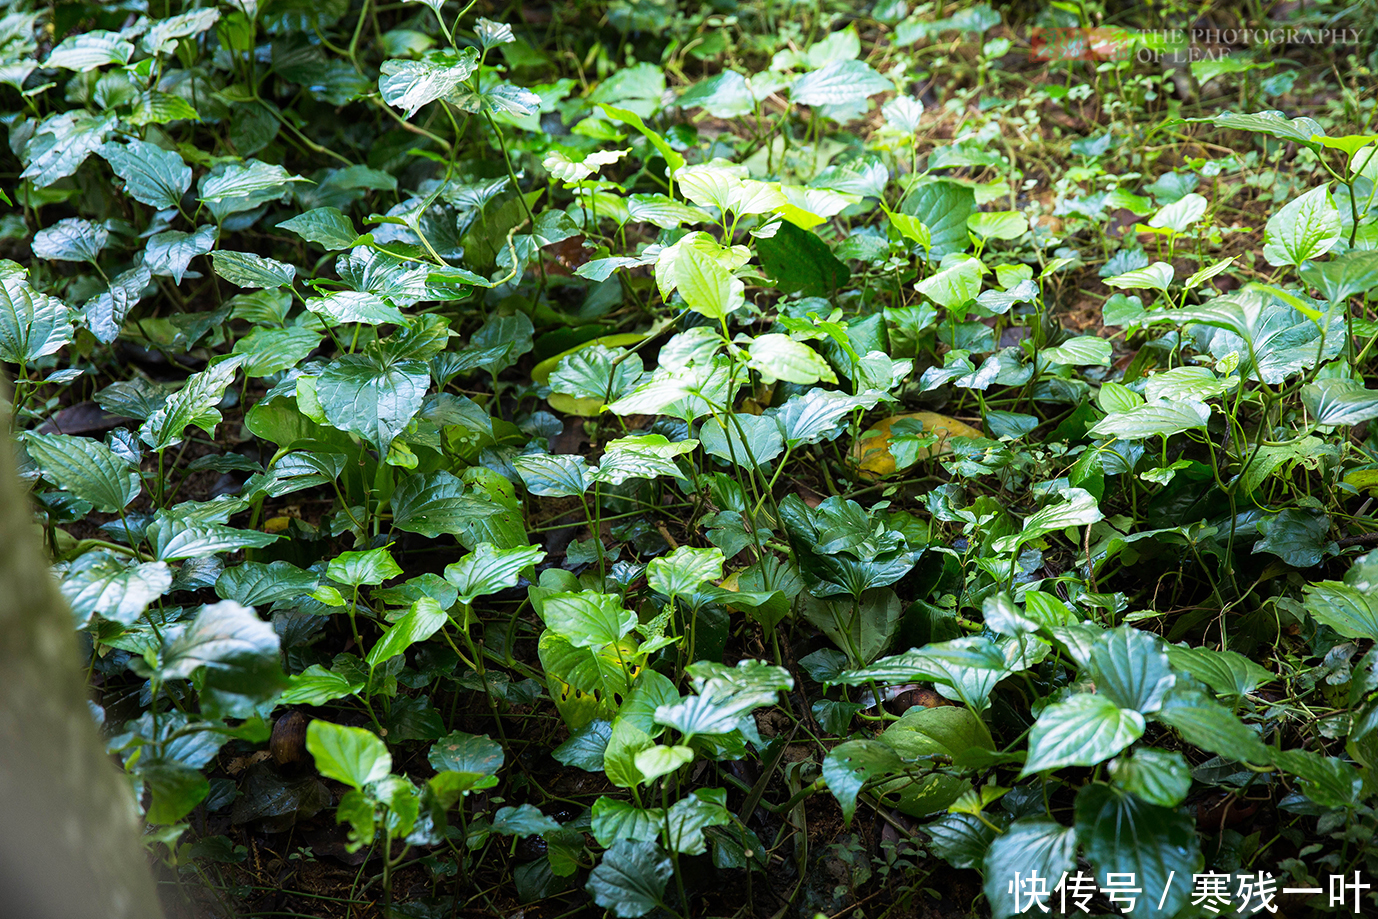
(871, 451)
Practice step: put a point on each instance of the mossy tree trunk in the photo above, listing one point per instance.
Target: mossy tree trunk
(69, 831)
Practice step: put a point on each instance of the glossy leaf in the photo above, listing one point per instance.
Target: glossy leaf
(1085, 730)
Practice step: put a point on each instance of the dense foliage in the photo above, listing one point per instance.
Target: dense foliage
(746, 459)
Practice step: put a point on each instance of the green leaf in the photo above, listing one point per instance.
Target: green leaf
(1083, 351)
(613, 820)
(1348, 610)
(838, 83)
(62, 143)
(1301, 130)
(1085, 730)
(89, 51)
(1336, 402)
(1209, 725)
(316, 686)
(326, 226)
(113, 586)
(248, 270)
(689, 392)
(674, 160)
(998, 225)
(1205, 274)
(400, 282)
(1300, 536)
(194, 404)
(1305, 228)
(152, 175)
(764, 440)
(497, 98)
(235, 650)
(663, 211)
(557, 475)
(161, 38)
(1153, 419)
(588, 619)
(864, 624)
(372, 567)
(154, 107)
(71, 240)
(943, 207)
(1080, 509)
(726, 695)
(817, 414)
(439, 503)
(105, 313)
(488, 570)
(951, 663)
(178, 539)
(961, 839)
(953, 286)
(1328, 781)
(1226, 672)
(660, 759)
(646, 456)
(525, 820)
(1180, 215)
(1157, 276)
(356, 809)
(86, 468)
(1131, 670)
(269, 351)
(408, 85)
(372, 395)
(725, 95)
(32, 325)
(596, 374)
(627, 740)
(420, 622)
(630, 879)
(175, 788)
(1355, 272)
(491, 34)
(1123, 834)
(242, 180)
(461, 752)
(169, 254)
(1156, 776)
(585, 749)
(683, 571)
(849, 766)
(1031, 846)
(707, 287)
(342, 306)
(297, 471)
(354, 756)
(799, 261)
(689, 816)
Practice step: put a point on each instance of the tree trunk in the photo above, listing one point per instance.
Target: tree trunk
(69, 830)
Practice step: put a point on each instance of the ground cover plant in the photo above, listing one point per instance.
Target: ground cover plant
(728, 459)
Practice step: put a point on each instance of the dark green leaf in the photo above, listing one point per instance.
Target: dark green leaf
(86, 468)
(1131, 670)
(371, 396)
(152, 175)
(630, 879)
(1122, 833)
(1031, 846)
(799, 261)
